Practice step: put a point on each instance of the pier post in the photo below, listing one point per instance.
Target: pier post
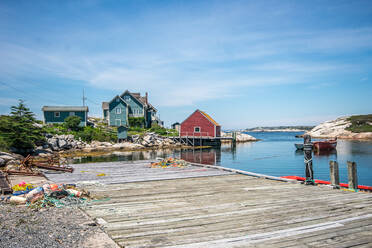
(352, 175)
(334, 174)
(308, 159)
(233, 143)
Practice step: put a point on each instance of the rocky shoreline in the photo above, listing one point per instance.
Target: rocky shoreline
(337, 129)
(240, 137)
(68, 146)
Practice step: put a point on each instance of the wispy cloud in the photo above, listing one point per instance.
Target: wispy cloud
(193, 58)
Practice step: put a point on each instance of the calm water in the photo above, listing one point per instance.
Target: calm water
(274, 155)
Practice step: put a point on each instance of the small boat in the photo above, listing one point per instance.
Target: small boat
(326, 145)
(299, 146)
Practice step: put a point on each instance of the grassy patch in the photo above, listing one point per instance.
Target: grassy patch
(360, 123)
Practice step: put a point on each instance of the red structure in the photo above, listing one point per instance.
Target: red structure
(200, 124)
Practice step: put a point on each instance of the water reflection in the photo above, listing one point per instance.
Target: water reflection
(202, 156)
(274, 155)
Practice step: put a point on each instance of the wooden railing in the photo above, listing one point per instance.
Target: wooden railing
(195, 134)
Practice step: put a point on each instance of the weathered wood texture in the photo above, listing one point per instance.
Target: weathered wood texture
(232, 211)
(334, 174)
(352, 175)
(124, 172)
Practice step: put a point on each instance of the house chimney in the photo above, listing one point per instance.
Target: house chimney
(146, 96)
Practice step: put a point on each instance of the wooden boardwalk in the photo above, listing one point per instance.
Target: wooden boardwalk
(230, 210)
(125, 172)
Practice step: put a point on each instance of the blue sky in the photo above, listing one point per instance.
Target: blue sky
(246, 63)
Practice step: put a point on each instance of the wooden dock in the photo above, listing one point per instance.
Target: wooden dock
(224, 209)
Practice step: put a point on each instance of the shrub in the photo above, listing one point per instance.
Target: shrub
(73, 123)
(88, 134)
(136, 121)
(360, 123)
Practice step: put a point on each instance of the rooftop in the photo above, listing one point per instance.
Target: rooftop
(65, 108)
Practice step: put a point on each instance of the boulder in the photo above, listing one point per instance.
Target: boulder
(7, 158)
(243, 137)
(105, 144)
(53, 144)
(2, 162)
(63, 144)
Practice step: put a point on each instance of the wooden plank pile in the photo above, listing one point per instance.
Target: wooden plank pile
(28, 165)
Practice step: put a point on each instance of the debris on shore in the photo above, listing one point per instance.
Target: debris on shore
(48, 195)
(169, 162)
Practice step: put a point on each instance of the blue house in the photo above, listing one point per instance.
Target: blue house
(128, 105)
(58, 114)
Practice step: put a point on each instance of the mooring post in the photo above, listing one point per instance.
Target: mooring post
(308, 159)
(334, 174)
(233, 139)
(352, 175)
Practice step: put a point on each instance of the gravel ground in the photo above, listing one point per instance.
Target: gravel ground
(51, 227)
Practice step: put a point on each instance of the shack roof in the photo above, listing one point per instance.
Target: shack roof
(209, 118)
(205, 115)
(65, 108)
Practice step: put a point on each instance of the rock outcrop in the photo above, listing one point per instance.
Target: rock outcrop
(337, 129)
(9, 158)
(153, 140)
(63, 142)
(240, 137)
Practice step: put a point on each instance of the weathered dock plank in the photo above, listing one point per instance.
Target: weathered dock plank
(214, 208)
(124, 172)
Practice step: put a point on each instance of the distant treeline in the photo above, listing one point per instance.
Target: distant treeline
(281, 128)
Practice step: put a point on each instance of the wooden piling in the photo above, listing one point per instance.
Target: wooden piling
(334, 174)
(233, 143)
(308, 147)
(352, 175)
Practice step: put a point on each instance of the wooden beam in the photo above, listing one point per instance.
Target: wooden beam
(334, 174)
(352, 175)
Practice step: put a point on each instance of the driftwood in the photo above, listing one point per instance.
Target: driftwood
(49, 163)
(29, 163)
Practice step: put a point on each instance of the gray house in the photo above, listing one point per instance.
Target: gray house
(58, 114)
(128, 105)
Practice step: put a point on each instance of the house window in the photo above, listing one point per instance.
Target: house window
(72, 113)
(118, 122)
(118, 111)
(127, 98)
(197, 129)
(57, 114)
(117, 99)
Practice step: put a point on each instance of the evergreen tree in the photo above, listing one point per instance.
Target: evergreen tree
(19, 130)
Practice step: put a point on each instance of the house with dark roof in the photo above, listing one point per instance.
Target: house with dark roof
(130, 108)
(58, 114)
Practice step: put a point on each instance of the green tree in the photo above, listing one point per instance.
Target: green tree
(19, 130)
(72, 123)
(136, 121)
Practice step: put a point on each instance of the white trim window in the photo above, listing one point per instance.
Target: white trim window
(57, 114)
(196, 129)
(118, 111)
